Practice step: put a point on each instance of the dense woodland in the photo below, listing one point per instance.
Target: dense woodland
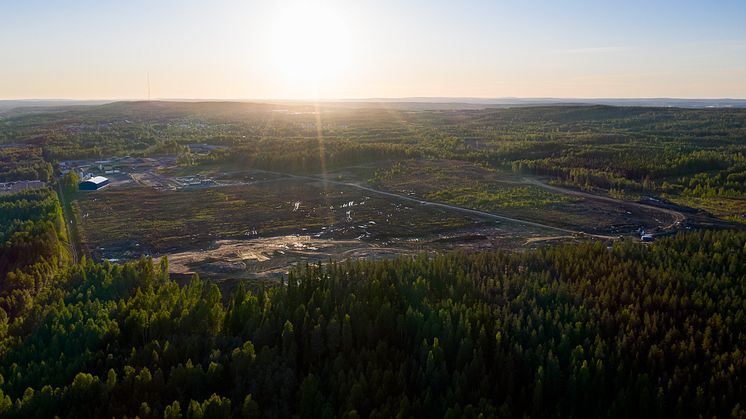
(32, 247)
(581, 331)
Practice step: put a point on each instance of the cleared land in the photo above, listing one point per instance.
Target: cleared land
(237, 223)
(126, 222)
(192, 226)
(472, 186)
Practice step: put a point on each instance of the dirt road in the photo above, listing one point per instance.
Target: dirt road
(677, 216)
(68, 220)
(479, 213)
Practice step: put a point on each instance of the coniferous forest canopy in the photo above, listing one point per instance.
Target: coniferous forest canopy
(585, 328)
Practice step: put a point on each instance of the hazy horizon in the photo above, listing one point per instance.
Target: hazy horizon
(423, 99)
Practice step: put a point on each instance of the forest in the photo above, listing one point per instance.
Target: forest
(33, 247)
(569, 331)
(589, 329)
(22, 162)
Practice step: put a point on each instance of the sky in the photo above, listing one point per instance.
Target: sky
(332, 49)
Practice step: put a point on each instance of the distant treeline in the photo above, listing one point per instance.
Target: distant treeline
(694, 152)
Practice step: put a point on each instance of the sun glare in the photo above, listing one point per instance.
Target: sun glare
(310, 44)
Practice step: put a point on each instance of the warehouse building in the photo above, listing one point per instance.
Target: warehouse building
(94, 183)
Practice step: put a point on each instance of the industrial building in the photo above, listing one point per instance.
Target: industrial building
(94, 183)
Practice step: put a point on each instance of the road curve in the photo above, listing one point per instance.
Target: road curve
(678, 216)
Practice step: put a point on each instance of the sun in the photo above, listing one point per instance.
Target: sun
(310, 44)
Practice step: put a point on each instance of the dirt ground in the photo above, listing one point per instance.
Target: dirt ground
(253, 224)
(272, 257)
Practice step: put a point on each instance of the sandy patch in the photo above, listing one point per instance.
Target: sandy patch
(237, 255)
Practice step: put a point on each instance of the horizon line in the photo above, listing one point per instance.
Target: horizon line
(369, 99)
